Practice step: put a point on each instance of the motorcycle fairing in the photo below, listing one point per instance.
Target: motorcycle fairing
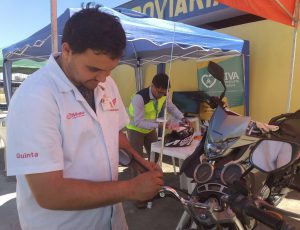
(223, 126)
(224, 131)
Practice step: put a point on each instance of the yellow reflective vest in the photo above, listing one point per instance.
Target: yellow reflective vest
(150, 110)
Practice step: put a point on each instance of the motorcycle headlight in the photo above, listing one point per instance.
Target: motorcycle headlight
(217, 149)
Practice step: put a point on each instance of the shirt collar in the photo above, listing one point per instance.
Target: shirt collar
(150, 94)
(62, 81)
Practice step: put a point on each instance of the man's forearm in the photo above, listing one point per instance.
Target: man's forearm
(52, 191)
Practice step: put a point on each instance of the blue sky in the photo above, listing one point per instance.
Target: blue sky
(21, 18)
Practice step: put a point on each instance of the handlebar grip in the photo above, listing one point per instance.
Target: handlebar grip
(266, 218)
(242, 204)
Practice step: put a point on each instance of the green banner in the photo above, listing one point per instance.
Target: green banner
(234, 81)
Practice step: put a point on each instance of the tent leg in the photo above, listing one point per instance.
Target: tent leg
(138, 78)
(54, 41)
(139, 83)
(246, 64)
(7, 78)
(290, 90)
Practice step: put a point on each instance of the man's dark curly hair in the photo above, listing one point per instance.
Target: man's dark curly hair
(92, 29)
(160, 80)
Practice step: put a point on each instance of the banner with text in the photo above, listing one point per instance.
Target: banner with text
(176, 10)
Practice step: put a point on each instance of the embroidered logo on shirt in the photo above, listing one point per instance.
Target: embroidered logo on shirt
(114, 101)
(75, 115)
(109, 104)
(113, 105)
(27, 155)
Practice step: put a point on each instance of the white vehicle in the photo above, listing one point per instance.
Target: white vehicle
(3, 135)
(3, 129)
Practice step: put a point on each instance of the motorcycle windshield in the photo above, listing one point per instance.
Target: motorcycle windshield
(223, 126)
(223, 131)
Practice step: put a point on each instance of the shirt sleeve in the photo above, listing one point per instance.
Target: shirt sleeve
(33, 138)
(173, 110)
(139, 115)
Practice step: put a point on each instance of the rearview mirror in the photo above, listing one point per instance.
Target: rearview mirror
(217, 72)
(124, 158)
(270, 155)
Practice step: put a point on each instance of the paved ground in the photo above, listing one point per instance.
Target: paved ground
(164, 214)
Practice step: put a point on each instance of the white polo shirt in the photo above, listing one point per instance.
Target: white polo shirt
(51, 127)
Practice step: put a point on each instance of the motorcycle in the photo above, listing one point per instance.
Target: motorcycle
(223, 157)
(237, 207)
(226, 155)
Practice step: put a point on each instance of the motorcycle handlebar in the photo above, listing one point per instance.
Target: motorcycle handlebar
(241, 204)
(271, 220)
(166, 190)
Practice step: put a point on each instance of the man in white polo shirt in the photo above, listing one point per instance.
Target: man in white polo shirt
(64, 134)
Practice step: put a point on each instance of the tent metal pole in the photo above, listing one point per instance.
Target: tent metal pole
(54, 41)
(138, 78)
(284, 8)
(7, 75)
(292, 68)
(138, 75)
(246, 67)
(136, 70)
(141, 78)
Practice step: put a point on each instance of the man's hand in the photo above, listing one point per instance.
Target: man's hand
(146, 185)
(174, 125)
(265, 128)
(259, 128)
(186, 121)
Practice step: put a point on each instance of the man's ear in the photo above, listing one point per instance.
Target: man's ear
(152, 89)
(66, 49)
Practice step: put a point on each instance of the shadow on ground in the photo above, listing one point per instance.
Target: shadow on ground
(164, 214)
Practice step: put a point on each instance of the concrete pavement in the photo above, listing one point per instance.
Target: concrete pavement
(164, 214)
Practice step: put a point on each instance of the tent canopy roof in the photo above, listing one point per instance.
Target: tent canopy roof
(25, 64)
(149, 40)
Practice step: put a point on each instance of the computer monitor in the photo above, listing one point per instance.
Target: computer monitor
(188, 102)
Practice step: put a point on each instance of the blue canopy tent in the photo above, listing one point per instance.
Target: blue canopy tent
(149, 40)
